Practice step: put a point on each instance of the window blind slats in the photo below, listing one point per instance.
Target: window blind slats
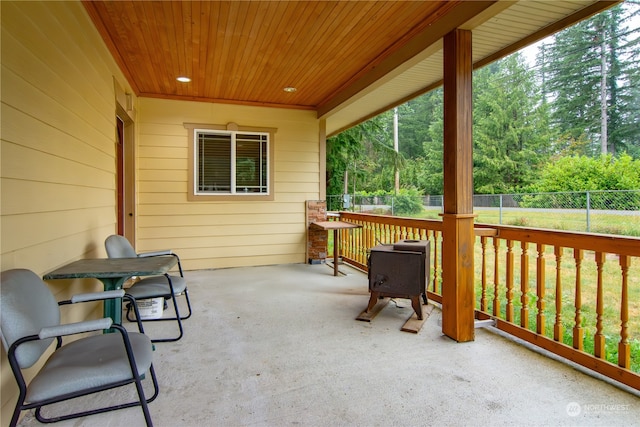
(216, 168)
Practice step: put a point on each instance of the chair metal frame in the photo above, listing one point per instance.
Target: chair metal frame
(126, 249)
(168, 295)
(57, 332)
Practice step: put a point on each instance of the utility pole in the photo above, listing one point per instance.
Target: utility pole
(395, 147)
(603, 96)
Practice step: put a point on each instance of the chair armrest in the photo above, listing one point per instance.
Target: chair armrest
(94, 296)
(155, 253)
(75, 328)
(97, 296)
(161, 253)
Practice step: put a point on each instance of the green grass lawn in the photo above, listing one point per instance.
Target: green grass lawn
(607, 223)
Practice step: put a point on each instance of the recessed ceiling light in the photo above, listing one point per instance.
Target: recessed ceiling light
(290, 89)
(183, 79)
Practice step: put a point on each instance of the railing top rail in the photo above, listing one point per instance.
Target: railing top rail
(393, 220)
(621, 245)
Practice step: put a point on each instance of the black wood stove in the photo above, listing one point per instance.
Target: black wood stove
(400, 270)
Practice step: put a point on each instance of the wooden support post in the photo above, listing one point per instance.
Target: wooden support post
(457, 277)
(458, 218)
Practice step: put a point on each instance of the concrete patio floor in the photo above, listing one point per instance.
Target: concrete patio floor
(279, 345)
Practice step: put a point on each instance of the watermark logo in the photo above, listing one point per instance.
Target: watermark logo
(574, 408)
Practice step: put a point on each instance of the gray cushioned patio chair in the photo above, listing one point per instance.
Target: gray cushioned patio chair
(30, 323)
(167, 286)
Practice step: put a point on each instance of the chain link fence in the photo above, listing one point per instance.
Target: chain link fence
(609, 212)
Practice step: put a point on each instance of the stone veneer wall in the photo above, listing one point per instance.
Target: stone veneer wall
(317, 240)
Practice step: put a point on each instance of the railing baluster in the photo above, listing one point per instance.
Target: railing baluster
(375, 233)
(624, 349)
(578, 332)
(524, 286)
(557, 325)
(599, 338)
(496, 277)
(362, 243)
(540, 290)
(509, 311)
(345, 244)
(483, 297)
(366, 237)
(356, 240)
(436, 260)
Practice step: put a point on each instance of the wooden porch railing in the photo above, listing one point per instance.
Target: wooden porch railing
(574, 294)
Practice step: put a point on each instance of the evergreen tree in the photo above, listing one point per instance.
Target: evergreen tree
(364, 155)
(589, 74)
(413, 122)
(420, 132)
(427, 170)
(344, 151)
(626, 119)
(509, 132)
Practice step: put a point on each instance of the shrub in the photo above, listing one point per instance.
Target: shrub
(407, 202)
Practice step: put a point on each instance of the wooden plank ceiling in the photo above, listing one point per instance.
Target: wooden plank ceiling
(247, 52)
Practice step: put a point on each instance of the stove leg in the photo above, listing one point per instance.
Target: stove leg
(424, 299)
(417, 307)
(373, 299)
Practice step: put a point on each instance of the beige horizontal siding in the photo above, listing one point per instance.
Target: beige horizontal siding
(212, 243)
(27, 127)
(47, 197)
(25, 230)
(162, 186)
(164, 218)
(308, 167)
(24, 163)
(220, 230)
(164, 207)
(58, 121)
(154, 175)
(243, 261)
(300, 188)
(168, 152)
(58, 162)
(297, 157)
(212, 253)
(226, 233)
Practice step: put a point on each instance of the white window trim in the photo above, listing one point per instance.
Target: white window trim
(194, 195)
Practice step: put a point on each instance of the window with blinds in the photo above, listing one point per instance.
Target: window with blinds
(231, 162)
